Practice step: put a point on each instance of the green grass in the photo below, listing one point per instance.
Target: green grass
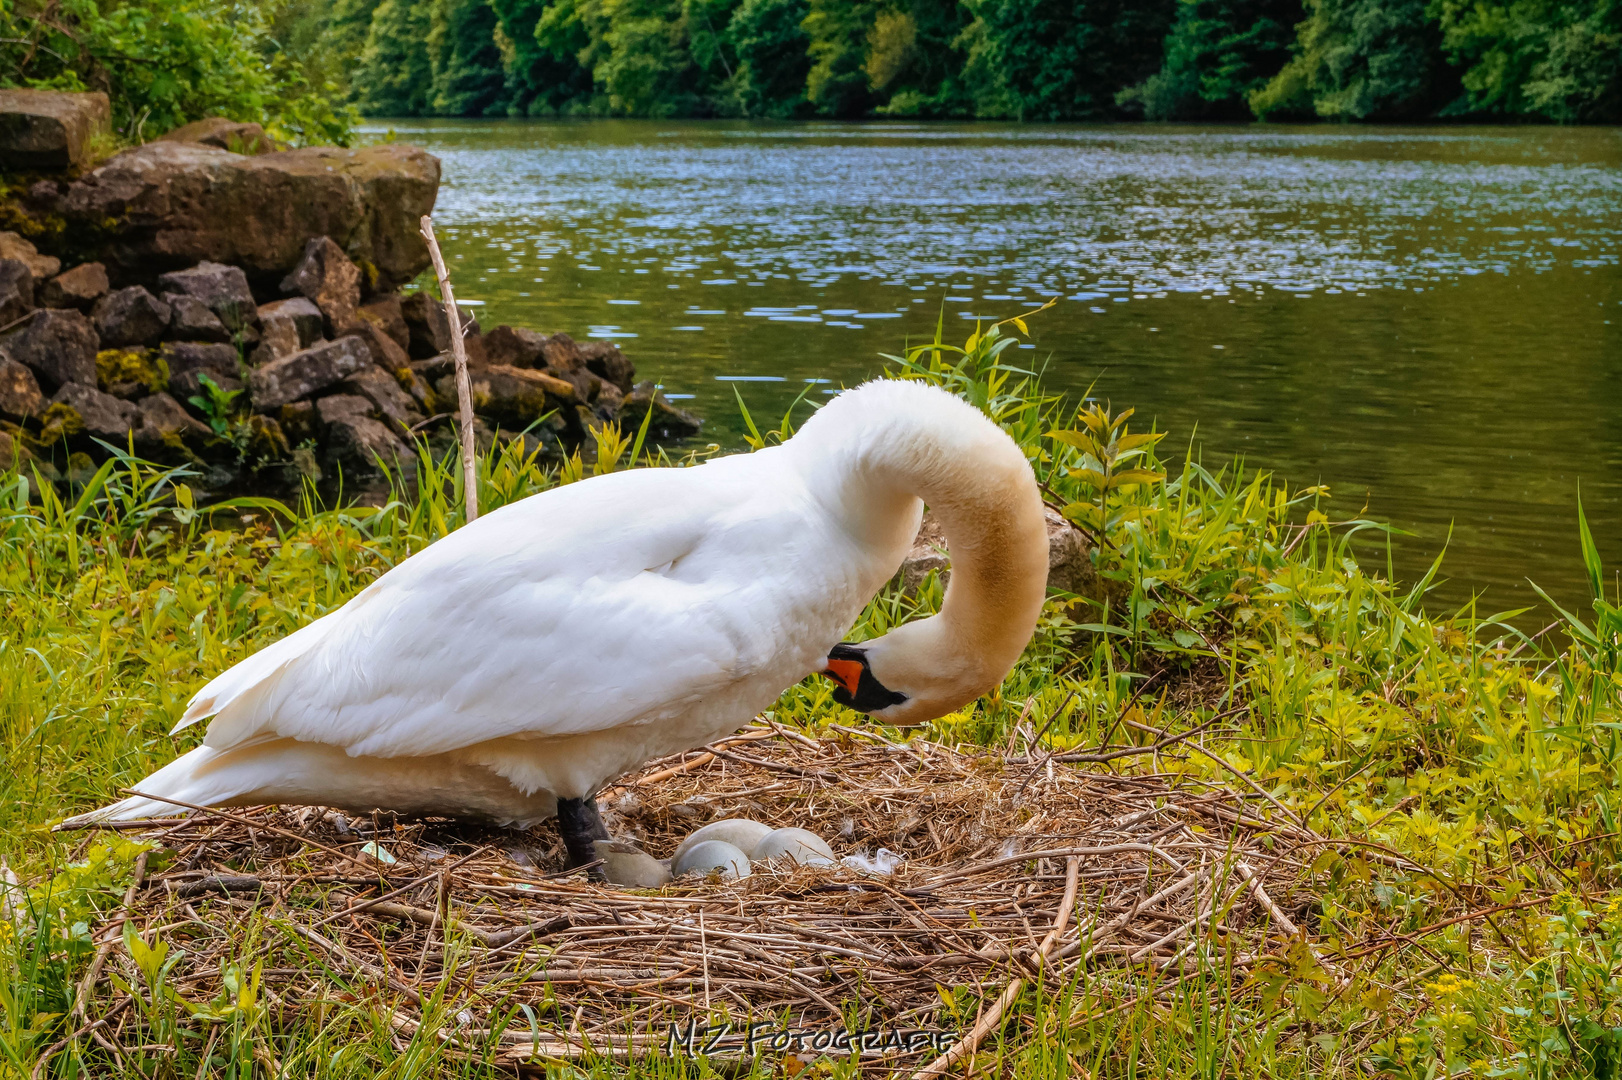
(1469, 765)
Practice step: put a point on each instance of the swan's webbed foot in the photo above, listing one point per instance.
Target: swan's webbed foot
(582, 826)
(587, 840)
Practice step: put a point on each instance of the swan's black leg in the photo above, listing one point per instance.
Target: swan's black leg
(581, 825)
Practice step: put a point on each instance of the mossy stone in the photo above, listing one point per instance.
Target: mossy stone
(58, 422)
(118, 371)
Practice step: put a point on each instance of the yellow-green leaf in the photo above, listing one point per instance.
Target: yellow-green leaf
(1082, 514)
(1089, 476)
(1132, 442)
(1136, 476)
(1079, 439)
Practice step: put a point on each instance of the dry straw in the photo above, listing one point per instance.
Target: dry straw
(1019, 876)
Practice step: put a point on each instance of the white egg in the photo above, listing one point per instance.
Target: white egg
(741, 833)
(708, 855)
(800, 845)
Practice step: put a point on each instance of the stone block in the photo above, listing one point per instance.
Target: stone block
(172, 204)
(386, 394)
(16, 291)
(130, 316)
(189, 360)
(224, 289)
(387, 313)
(19, 391)
(327, 278)
(307, 372)
(514, 346)
(233, 135)
(306, 318)
(192, 320)
(60, 346)
(49, 131)
(78, 288)
(16, 247)
(102, 415)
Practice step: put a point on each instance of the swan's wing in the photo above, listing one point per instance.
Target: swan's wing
(618, 603)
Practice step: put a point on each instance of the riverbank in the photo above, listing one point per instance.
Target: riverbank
(1458, 911)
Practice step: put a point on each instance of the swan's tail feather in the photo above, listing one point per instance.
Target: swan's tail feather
(182, 779)
(288, 772)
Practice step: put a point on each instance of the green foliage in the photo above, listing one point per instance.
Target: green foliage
(1362, 60)
(1217, 54)
(539, 77)
(771, 47)
(838, 82)
(645, 66)
(395, 76)
(299, 66)
(1060, 59)
(912, 59)
(164, 63)
(465, 59)
(1536, 57)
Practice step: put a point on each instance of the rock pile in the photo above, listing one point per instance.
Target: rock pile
(326, 378)
(215, 298)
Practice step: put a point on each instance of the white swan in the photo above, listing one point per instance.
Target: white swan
(517, 666)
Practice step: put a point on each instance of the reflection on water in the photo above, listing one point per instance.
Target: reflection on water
(1430, 321)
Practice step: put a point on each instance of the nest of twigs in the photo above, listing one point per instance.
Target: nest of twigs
(1018, 874)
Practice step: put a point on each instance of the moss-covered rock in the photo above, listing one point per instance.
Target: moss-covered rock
(59, 421)
(167, 205)
(266, 440)
(131, 373)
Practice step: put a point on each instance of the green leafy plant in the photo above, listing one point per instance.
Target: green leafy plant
(1104, 467)
(216, 404)
(165, 63)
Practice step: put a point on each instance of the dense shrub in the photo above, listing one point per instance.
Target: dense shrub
(164, 63)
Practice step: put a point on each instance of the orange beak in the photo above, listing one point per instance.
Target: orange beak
(847, 673)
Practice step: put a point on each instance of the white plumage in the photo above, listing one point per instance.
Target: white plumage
(565, 639)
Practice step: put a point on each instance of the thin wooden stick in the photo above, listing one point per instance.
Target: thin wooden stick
(407, 887)
(464, 389)
(993, 1016)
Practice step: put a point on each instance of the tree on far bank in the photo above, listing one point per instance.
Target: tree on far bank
(1362, 60)
(1539, 58)
(1060, 59)
(395, 76)
(769, 42)
(465, 55)
(1217, 54)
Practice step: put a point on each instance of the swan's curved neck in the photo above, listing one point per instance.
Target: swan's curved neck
(877, 457)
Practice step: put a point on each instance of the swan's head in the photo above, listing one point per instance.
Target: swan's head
(911, 675)
(874, 453)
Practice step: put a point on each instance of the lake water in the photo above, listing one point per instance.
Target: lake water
(1427, 320)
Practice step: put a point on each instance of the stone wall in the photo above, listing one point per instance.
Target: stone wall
(215, 299)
